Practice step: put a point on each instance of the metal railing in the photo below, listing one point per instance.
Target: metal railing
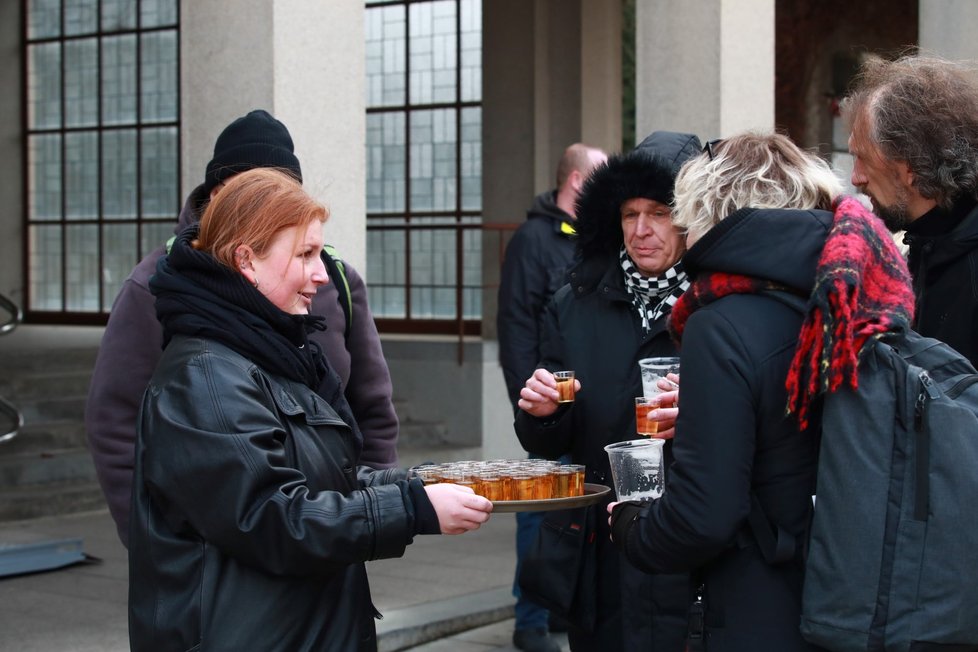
(8, 411)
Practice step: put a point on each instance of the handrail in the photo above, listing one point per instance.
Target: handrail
(8, 409)
(16, 316)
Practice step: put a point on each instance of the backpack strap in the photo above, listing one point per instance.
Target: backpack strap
(776, 544)
(337, 272)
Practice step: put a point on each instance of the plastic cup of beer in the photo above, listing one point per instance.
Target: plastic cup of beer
(637, 468)
(645, 426)
(565, 386)
(655, 369)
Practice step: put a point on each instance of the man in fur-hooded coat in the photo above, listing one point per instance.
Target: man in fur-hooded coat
(600, 325)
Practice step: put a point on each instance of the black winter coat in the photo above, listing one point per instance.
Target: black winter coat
(592, 327)
(537, 259)
(944, 263)
(733, 438)
(280, 565)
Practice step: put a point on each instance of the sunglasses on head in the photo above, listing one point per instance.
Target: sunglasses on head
(710, 147)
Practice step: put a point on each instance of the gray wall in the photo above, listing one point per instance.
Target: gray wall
(11, 147)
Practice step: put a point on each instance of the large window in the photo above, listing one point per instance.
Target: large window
(424, 163)
(102, 125)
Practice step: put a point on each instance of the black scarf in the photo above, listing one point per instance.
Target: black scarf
(198, 296)
(652, 296)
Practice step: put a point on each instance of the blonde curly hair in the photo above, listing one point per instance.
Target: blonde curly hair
(751, 169)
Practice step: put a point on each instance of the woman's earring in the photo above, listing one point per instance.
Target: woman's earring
(256, 283)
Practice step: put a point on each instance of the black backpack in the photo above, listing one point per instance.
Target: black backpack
(890, 563)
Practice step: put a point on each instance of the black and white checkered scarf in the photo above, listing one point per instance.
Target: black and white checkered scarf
(653, 296)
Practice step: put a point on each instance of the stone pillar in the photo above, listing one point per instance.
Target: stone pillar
(704, 67)
(947, 28)
(301, 60)
(601, 83)
(12, 236)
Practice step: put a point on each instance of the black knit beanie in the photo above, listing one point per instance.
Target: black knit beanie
(256, 140)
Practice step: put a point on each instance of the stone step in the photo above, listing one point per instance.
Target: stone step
(49, 360)
(408, 456)
(33, 468)
(45, 437)
(33, 501)
(422, 434)
(54, 408)
(21, 387)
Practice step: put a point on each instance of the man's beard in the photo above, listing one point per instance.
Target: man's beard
(894, 217)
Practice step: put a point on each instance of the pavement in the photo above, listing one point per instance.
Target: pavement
(445, 593)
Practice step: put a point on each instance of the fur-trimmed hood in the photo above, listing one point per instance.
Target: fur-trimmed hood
(648, 171)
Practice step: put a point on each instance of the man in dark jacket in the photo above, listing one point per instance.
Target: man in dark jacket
(132, 343)
(611, 315)
(536, 263)
(914, 143)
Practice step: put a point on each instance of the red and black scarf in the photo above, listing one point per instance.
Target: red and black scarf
(862, 290)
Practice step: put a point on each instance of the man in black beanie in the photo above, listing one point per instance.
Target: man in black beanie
(256, 140)
(132, 342)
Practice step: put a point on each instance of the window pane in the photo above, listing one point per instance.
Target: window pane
(158, 74)
(45, 267)
(119, 174)
(433, 160)
(81, 17)
(433, 270)
(81, 83)
(43, 18)
(118, 258)
(118, 14)
(386, 171)
(472, 279)
(471, 159)
(154, 235)
(385, 271)
(44, 86)
(81, 175)
(433, 56)
(44, 177)
(471, 35)
(157, 13)
(158, 178)
(119, 80)
(81, 259)
(386, 79)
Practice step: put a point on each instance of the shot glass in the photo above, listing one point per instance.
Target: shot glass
(565, 386)
(645, 426)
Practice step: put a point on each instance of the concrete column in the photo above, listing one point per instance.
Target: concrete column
(301, 60)
(704, 67)
(601, 84)
(12, 236)
(947, 28)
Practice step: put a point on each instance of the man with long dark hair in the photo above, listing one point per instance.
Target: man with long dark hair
(914, 140)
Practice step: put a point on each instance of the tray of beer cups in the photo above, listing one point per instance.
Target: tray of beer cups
(519, 485)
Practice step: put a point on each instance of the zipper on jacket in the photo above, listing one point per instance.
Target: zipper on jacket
(929, 390)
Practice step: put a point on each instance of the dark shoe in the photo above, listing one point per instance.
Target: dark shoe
(534, 640)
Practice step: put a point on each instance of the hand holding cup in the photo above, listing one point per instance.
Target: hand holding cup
(541, 395)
